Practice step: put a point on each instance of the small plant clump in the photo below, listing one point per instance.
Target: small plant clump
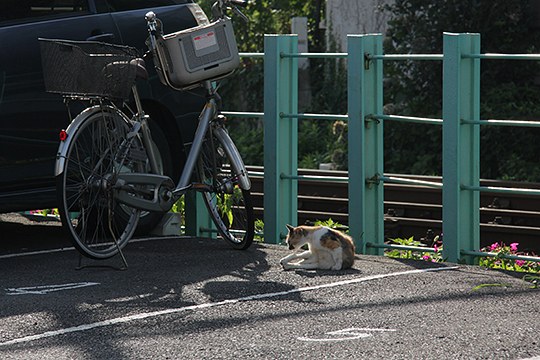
(259, 230)
(430, 256)
(500, 262)
(45, 212)
(331, 224)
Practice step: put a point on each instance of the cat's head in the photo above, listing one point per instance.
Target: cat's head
(296, 237)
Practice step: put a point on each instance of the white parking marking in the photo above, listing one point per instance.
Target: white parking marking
(129, 298)
(52, 251)
(345, 335)
(29, 253)
(45, 289)
(125, 319)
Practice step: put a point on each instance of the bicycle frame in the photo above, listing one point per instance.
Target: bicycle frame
(110, 170)
(208, 113)
(163, 192)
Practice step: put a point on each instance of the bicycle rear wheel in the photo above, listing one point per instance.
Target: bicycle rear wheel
(229, 206)
(98, 150)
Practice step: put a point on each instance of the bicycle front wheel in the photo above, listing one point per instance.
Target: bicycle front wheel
(97, 151)
(229, 206)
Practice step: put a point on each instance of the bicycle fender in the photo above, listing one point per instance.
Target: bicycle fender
(71, 130)
(236, 160)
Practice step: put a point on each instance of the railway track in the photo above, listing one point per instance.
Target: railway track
(415, 210)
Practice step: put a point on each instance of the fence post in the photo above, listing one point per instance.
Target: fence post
(461, 145)
(280, 135)
(365, 138)
(198, 221)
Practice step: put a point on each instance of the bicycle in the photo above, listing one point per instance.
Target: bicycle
(107, 168)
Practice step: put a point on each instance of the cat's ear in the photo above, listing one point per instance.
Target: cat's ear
(290, 228)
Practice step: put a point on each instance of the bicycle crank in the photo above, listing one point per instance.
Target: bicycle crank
(148, 192)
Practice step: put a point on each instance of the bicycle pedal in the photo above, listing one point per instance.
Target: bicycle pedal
(201, 187)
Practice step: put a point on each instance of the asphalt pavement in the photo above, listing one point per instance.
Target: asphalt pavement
(188, 298)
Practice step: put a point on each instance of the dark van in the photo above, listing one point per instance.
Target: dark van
(31, 119)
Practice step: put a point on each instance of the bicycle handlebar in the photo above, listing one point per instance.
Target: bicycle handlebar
(151, 20)
(150, 16)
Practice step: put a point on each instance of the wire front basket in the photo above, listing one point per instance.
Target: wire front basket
(88, 68)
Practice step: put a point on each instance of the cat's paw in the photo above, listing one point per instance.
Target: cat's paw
(285, 265)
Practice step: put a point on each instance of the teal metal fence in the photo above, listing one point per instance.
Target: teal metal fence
(461, 139)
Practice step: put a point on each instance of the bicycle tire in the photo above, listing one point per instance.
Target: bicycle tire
(229, 206)
(98, 226)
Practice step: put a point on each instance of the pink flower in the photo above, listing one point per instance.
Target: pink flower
(426, 257)
(494, 247)
(436, 248)
(514, 246)
(520, 262)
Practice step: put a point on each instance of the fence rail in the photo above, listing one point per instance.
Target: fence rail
(460, 125)
(413, 207)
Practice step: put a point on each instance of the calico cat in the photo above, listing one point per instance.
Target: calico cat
(327, 248)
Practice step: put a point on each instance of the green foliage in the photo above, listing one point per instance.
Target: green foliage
(415, 254)
(225, 204)
(243, 91)
(46, 212)
(508, 91)
(500, 262)
(417, 27)
(533, 279)
(329, 223)
(510, 153)
(492, 262)
(329, 88)
(259, 230)
(180, 207)
(482, 286)
(508, 88)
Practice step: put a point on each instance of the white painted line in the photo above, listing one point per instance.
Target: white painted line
(36, 253)
(353, 336)
(45, 289)
(52, 251)
(141, 316)
(345, 335)
(129, 298)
